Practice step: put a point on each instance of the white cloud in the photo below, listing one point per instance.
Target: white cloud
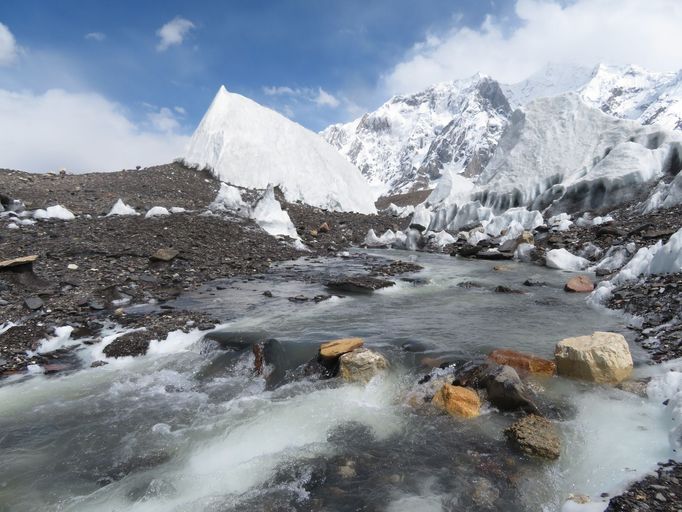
(164, 120)
(173, 33)
(318, 96)
(79, 131)
(95, 36)
(582, 32)
(180, 110)
(8, 46)
(324, 99)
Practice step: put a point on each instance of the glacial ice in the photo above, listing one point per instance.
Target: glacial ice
(54, 212)
(561, 259)
(120, 208)
(156, 211)
(251, 146)
(269, 215)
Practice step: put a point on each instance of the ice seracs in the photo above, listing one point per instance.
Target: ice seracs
(249, 145)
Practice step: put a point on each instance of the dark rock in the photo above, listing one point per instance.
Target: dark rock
(532, 282)
(33, 303)
(359, 284)
(494, 254)
(131, 344)
(506, 391)
(467, 251)
(506, 289)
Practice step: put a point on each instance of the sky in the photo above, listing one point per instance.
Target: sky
(103, 85)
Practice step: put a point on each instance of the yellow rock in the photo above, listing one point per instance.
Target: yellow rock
(457, 401)
(603, 357)
(336, 348)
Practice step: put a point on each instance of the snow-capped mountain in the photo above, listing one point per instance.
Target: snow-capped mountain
(452, 128)
(249, 145)
(409, 141)
(628, 92)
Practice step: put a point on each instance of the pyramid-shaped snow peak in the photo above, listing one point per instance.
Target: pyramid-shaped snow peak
(252, 146)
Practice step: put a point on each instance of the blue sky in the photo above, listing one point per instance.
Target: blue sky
(342, 47)
(111, 84)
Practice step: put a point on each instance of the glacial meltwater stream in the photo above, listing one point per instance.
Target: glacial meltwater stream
(191, 427)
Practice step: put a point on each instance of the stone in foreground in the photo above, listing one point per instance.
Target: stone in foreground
(603, 357)
(361, 365)
(523, 362)
(579, 284)
(535, 436)
(457, 401)
(336, 348)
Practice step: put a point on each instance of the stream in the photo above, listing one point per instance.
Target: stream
(191, 427)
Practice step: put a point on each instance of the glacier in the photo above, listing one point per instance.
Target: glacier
(248, 145)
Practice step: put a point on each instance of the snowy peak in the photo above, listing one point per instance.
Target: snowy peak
(249, 145)
(411, 140)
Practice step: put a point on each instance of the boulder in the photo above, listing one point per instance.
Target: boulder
(579, 284)
(336, 348)
(324, 228)
(523, 362)
(506, 391)
(603, 357)
(457, 401)
(535, 436)
(361, 365)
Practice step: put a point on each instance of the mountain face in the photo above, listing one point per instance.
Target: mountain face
(248, 145)
(410, 142)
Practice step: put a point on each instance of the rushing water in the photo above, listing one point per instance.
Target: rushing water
(190, 427)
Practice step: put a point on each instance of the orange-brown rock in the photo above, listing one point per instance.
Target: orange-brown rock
(457, 401)
(579, 284)
(336, 348)
(523, 362)
(324, 228)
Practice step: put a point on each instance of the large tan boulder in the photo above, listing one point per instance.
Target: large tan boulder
(361, 365)
(603, 357)
(457, 401)
(336, 348)
(523, 362)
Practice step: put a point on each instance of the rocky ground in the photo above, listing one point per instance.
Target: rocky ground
(88, 270)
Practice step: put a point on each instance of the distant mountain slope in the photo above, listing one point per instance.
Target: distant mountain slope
(248, 145)
(407, 143)
(454, 127)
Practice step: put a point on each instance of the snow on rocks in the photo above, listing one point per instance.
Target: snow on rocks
(561, 259)
(54, 212)
(156, 211)
(251, 146)
(120, 208)
(385, 240)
